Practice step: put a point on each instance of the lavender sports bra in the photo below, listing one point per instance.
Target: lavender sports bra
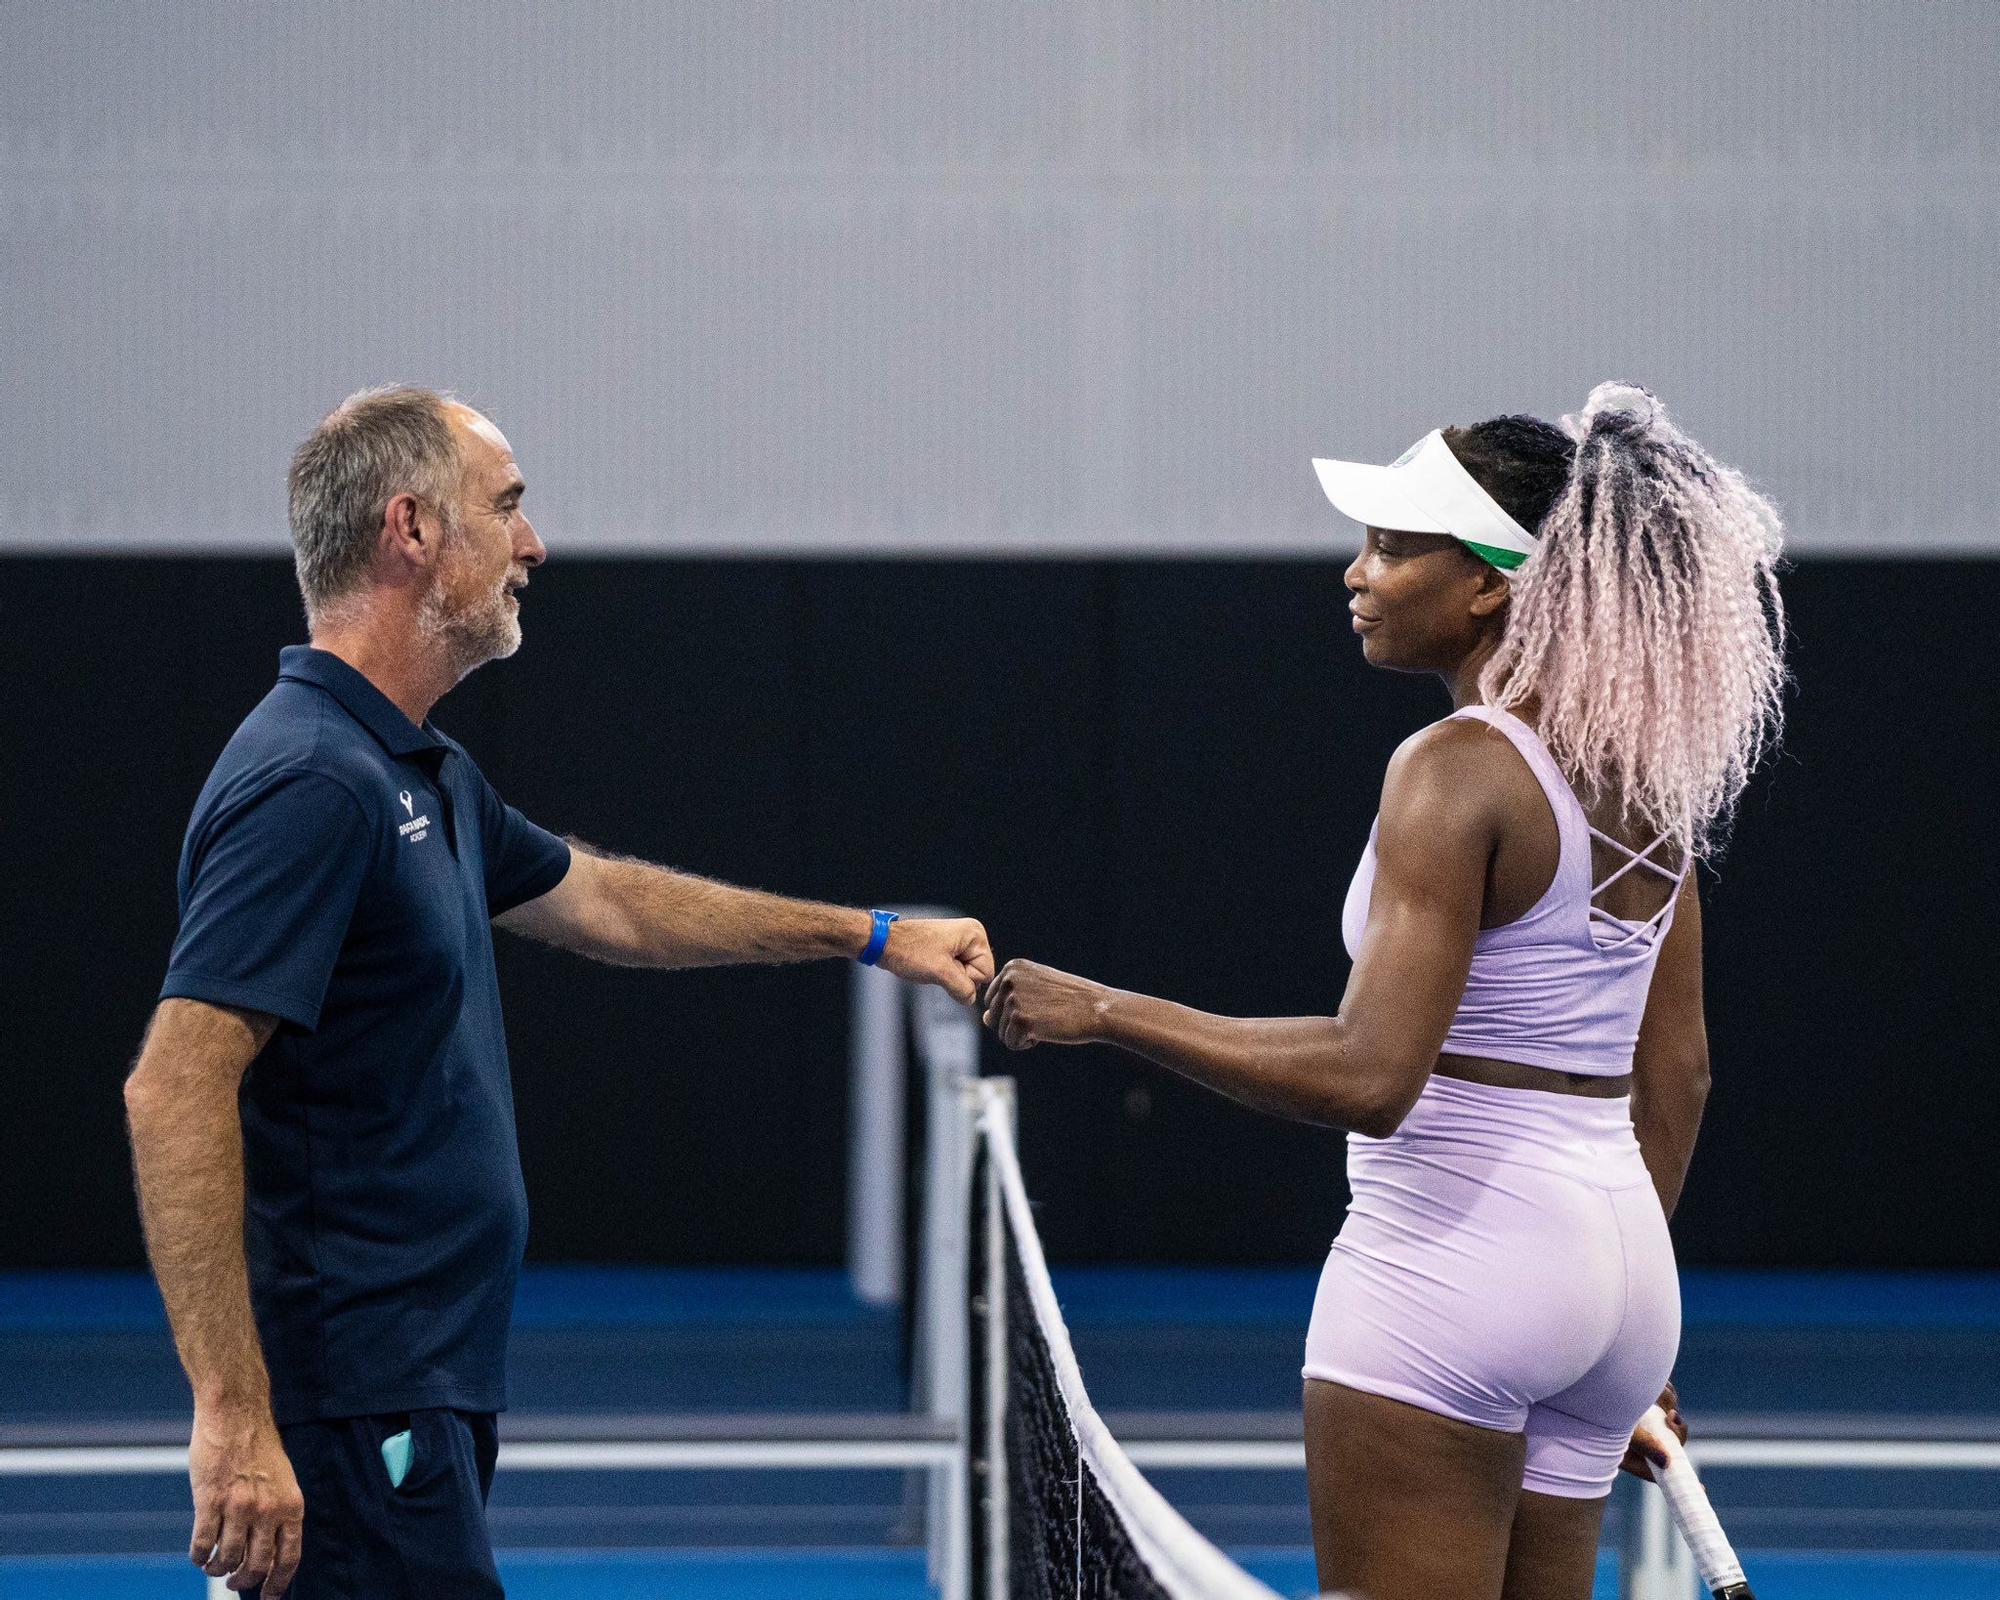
(1565, 985)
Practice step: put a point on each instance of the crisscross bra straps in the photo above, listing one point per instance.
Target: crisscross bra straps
(1615, 933)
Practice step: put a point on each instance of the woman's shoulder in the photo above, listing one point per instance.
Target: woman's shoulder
(1459, 755)
(1459, 764)
(1458, 744)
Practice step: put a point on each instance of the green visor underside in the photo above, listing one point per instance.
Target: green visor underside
(1505, 560)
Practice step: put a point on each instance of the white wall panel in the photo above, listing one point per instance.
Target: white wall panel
(1066, 278)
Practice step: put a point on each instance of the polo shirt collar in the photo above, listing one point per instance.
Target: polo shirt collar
(365, 703)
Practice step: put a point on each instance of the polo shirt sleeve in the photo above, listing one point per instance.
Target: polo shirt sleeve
(523, 862)
(267, 894)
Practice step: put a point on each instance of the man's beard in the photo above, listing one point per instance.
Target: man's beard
(470, 635)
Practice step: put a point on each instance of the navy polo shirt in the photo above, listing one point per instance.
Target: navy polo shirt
(340, 872)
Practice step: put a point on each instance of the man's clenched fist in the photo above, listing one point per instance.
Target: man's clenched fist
(950, 952)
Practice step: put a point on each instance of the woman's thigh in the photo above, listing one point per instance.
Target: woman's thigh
(1552, 1551)
(1407, 1504)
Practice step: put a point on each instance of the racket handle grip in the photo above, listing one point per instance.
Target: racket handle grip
(1721, 1572)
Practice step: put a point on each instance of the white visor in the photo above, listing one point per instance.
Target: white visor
(1427, 490)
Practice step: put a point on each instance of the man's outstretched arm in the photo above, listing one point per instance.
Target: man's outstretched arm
(187, 1152)
(634, 914)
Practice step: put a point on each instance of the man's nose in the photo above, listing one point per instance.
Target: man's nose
(529, 550)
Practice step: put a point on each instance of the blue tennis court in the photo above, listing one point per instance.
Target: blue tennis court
(1801, 1353)
(868, 1575)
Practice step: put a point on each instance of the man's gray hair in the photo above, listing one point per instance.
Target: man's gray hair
(374, 446)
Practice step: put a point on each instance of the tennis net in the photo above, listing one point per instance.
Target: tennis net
(1058, 1507)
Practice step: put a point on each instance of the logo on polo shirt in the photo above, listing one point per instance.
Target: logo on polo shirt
(417, 826)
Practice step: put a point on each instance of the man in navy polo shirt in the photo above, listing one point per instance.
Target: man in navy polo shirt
(322, 1122)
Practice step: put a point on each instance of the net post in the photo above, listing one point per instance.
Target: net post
(875, 1131)
(947, 1041)
(995, 1099)
(947, 1038)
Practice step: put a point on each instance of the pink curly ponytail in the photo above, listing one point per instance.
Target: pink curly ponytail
(1647, 626)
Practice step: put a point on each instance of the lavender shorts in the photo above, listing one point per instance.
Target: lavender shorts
(1505, 1262)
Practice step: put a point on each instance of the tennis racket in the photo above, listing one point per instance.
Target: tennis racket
(1721, 1572)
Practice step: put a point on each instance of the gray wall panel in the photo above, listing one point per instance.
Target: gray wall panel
(909, 278)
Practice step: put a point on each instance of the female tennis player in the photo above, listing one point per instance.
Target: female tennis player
(1519, 1058)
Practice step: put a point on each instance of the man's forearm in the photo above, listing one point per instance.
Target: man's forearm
(187, 1153)
(676, 919)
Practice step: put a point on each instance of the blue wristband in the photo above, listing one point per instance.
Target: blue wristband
(878, 939)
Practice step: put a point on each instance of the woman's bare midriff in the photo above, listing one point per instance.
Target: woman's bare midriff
(1518, 1075)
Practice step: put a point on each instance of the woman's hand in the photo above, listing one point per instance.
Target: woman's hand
(1028, 1004)
(1643, 1455)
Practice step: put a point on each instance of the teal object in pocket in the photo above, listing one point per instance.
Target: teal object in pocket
(396, 1457)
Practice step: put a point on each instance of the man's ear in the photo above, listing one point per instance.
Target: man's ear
(410, 533)
(1493, 593)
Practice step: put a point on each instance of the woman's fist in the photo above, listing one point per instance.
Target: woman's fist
(1029, 1004)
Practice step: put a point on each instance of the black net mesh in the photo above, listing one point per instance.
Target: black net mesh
(1056, 1546)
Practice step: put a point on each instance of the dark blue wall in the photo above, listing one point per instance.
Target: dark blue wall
(1157, 773)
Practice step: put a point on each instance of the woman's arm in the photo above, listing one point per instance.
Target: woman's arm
(1670, 1062)
(1364, 1068)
